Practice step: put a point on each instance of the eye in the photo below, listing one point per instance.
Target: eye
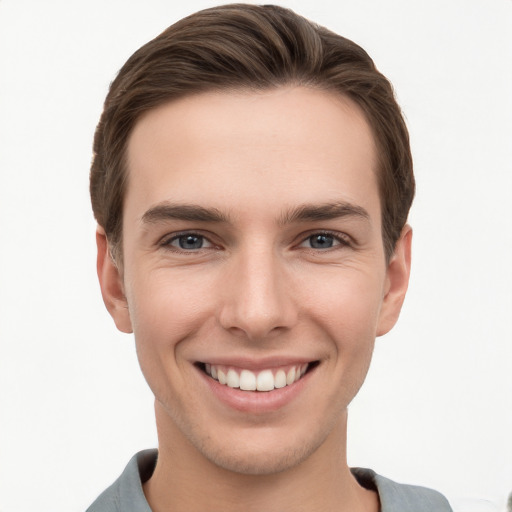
(188, 242)
(323, 241)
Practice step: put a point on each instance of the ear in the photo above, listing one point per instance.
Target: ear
(111, 283)
(397, 281)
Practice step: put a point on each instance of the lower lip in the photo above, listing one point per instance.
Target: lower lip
(256, 401)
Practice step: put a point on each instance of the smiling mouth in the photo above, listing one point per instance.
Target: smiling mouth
(264, 380)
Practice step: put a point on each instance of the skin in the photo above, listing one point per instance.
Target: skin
(259, 290)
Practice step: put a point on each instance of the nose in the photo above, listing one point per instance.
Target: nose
(257, 296)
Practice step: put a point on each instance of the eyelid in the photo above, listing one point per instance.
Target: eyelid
(166, 241)
(342, 239)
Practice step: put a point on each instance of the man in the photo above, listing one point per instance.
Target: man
(251, 181)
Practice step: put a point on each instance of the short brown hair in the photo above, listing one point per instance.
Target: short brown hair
(241, 46)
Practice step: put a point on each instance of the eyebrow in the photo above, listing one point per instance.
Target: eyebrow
(305, 212)
(170, 211)
(327, 211)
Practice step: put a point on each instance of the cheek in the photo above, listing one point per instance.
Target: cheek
(350, 305)
(165, 311)
(167, 304)
(349, 314)
(350, 319)
(162, 319)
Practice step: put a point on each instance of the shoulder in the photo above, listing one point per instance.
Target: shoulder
(126, 494)
(395, 497)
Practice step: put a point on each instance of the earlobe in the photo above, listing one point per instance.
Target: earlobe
(111, 284)
(397, 281)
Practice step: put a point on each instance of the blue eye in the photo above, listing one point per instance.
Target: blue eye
(321, 241)
(189, 242)
(324, 241)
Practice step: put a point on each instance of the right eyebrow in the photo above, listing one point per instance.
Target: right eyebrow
(172, 211)
(327, 211)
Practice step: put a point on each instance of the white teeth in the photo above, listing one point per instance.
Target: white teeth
(233, 380)
(249, 381)
(290, 376)
(222, 377)
(280, 379)
(265, 381)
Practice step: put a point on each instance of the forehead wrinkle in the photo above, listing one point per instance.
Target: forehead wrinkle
(188, 212)
(325, 211)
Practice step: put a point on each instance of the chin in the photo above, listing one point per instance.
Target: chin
(260, 458)
(260, 464)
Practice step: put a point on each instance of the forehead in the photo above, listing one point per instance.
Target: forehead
(241, 149)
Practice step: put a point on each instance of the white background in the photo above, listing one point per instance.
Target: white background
(437, 406)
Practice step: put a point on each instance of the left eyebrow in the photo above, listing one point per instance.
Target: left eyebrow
(327, 211)
(188, 212)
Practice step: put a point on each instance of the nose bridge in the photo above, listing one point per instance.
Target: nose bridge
(256, 296)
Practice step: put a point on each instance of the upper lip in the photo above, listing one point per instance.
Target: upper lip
(256, 364)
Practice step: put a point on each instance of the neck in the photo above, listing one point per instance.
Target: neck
(185, 480)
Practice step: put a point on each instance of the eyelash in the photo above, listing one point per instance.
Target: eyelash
(340, 240)
(167, 241)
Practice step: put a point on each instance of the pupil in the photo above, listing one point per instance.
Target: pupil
(191, 242)
(321, 241)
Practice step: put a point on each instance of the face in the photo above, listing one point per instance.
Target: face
(254, 275)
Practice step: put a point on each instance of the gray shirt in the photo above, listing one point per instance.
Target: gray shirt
(126, 494)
